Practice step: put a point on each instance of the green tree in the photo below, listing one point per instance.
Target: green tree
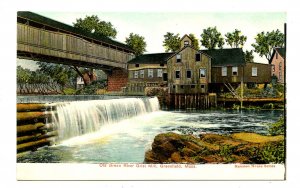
(171, 42)
(212, 38)
(23, 75)
(249, 58)
(195, 42)
(235, 39)
(137, 43)
(266, 42)
(93, 24)
(61, 74)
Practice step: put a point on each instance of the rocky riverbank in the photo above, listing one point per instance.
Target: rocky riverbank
(245, 148)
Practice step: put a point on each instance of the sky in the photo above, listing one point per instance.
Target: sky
(154, 25)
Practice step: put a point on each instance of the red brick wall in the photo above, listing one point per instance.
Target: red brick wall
(117, 79)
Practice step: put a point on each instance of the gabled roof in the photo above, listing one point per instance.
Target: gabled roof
(199, 51)
(156, 58)
(281, 52)
(69, 29)
(230, 56)
(185, 35)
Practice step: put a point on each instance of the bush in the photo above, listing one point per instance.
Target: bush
(277, 128)
(92, 88)
(272, 153)
(268, 106)
(69, 91)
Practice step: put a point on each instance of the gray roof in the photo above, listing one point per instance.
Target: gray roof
(156, 58)
(230, 56)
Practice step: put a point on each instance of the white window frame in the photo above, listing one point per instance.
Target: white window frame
(224, 71)
(159, 73)
(254, 71)
(150, 73)
(201, 74)
(235, 69)
(142, 73)
(136, 74)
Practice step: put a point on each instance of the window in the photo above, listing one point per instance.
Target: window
(276, 55)
(181, 86)
(198, 57)
(161, 65)
(202, 86)
(165, 76)
(137, 65)
(202, 73)
(159, 73)
(224, 71)
(142, 72)
(254, 71)
(234, 71)
(186, 43)
(279, 76)
(193, 86)
(173, 86)
(188, 74)
(150, 73)
(177, 74)
(178, 58)
(136, 74)
(273, 66)
(280, 66)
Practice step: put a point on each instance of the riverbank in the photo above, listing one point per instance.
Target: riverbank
(246, 148)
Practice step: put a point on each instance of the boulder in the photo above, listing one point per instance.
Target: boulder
(214, 148)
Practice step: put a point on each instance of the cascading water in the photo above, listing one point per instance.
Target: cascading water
(80, 117)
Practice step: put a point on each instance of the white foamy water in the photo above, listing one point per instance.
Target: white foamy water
(83, 117)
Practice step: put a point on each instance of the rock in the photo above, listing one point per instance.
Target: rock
(214, 148)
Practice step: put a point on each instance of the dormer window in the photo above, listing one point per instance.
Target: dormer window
(186, 43)
(178, 58)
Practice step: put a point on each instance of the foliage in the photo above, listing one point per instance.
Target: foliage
(268, 106)
(226, 152)
(92, 88)
(235, 39)
(171, 42)
(23, 75)
(277, 128)
(93, 24)
(62, 74)
(211, 38)
(272, 153)
(69, 91)
(195, 43)
(265, 42)
(249, 58)
(137, 43)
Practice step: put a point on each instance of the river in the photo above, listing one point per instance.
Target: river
(128, 139)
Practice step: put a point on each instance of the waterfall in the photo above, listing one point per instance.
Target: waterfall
(80, 117)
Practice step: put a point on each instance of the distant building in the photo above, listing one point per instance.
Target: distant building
(148, 70)
(278, 64)
(229, 67)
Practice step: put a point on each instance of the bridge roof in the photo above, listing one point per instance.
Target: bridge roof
(69, 29)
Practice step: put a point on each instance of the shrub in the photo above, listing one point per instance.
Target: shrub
(69, 91)
(268, 106)
(277, 128)
(92, 88)
(272, 153)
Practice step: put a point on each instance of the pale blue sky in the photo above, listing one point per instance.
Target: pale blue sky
(153, 25)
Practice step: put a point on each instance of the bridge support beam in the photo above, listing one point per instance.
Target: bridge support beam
(117, 79)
